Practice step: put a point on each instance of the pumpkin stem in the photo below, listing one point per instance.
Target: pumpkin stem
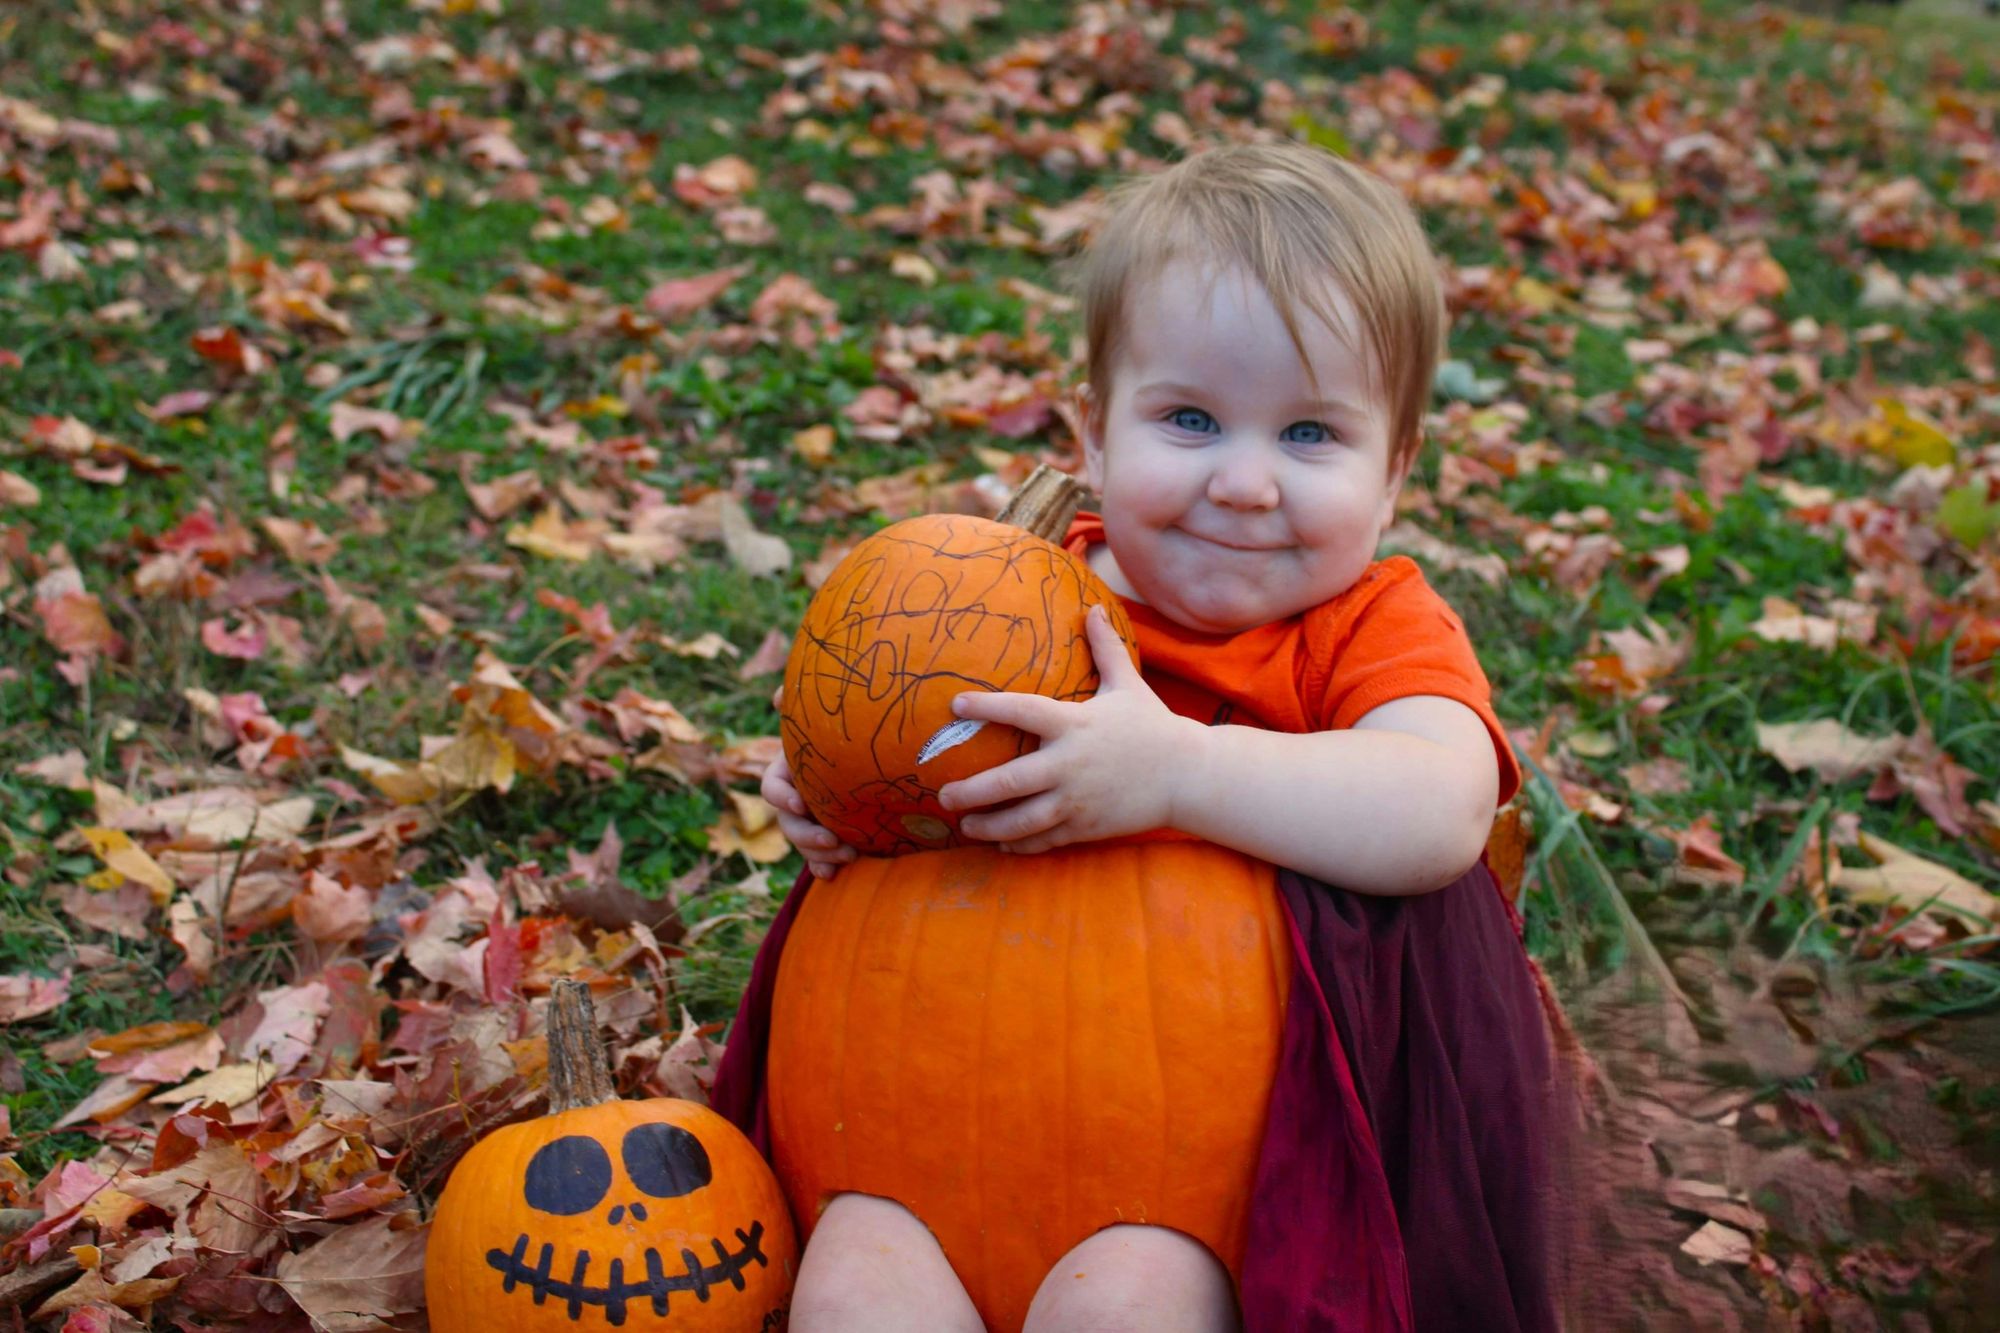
(579, 1075)
(1045, 504)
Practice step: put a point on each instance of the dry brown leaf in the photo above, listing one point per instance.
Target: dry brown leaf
(232, 1085)
(370, 1270)
(758, 554)
(1718, 1244)
(17, 490)
(63, 769)
(1827, 748)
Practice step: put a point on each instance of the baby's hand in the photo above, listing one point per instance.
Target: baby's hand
(825, 854)
(1109, 766)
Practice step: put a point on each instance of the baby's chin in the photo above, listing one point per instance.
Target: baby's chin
(1216, 612)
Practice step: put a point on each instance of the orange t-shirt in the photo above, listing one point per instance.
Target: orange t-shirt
(1388, 637)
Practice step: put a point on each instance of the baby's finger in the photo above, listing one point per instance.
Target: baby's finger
(1011, 781)
(1060, 836)
(1113, 659)
(805, 835)
(1017, 823)
(778, 788)
(1030, 712)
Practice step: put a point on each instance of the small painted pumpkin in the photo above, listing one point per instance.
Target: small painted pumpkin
(655, 1214)
(917, 614)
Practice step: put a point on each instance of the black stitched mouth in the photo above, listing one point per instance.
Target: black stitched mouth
(616, 1291)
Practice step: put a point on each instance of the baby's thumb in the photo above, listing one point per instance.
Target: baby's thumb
(1107, 649)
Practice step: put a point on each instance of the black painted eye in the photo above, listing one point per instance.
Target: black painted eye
(665, 1161)
(568, 1176)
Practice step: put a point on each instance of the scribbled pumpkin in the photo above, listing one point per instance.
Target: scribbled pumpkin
(652, 1215)
(916, 614)
(1025, 1049)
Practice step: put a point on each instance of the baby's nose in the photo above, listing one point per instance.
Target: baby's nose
(1243, 481)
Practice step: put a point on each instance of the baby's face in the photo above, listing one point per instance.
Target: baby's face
(1236, 492)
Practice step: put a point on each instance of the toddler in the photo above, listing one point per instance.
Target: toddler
(1263, 323)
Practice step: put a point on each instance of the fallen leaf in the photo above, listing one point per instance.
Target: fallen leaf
(63, 769)
(329, 911)
(678, 298)
(1912, 883)
(117, 850)
(1718, 1244)
(1827, 748)
(814, 444)
(552, 536)
(232, 1085)
(1782, 622)
(367, 1271)
(707, 645)
(770, 656)
(245, 642)
(1718, 1203)
(1906, 435)
(17, 490)
(749, 826)
(24, 997)
(758, 554)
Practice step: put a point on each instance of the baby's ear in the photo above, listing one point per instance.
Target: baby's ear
(1089, 422)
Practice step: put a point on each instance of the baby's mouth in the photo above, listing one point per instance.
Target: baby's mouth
(616, 1292)
(1236, 544)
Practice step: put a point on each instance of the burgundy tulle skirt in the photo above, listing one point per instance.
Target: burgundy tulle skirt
(1406, 1179)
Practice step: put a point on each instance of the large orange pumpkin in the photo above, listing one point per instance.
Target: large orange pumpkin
(650, 1215)
(917, 614)
(1025, 1049)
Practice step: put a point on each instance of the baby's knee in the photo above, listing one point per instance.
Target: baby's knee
(1136, 1278)
(873, 1267)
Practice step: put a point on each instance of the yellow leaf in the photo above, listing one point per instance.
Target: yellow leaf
(402, 783)
(477, 759)
(915, 268)
(1908, 436)
(1535, 297)
(117, 850)
(749, 826)
(551, 537)
(232, 1085)
(814, 443)
(1912, 883)
(753, 812)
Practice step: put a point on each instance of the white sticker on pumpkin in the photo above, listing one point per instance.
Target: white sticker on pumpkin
(948, 735)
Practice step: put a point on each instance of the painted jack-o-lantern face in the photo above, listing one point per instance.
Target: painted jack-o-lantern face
(625, 1214)
(574, 1175)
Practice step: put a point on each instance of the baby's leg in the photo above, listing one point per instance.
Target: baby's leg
(872, 1267)
(1138, 1278)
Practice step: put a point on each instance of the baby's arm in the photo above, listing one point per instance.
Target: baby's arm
(1400, 803)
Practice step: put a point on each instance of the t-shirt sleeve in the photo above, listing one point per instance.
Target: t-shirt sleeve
(1389, 638)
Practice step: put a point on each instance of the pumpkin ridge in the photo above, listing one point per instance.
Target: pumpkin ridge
(1150, 959)
(979, 1119)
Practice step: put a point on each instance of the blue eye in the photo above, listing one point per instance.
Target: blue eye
(1307, 432)
(1192, 419)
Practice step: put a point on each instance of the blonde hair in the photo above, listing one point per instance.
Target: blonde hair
(1292, 216)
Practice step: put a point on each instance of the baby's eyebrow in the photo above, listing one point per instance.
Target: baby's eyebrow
(1173, 387)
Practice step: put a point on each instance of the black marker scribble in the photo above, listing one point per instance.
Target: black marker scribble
(878, 660)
